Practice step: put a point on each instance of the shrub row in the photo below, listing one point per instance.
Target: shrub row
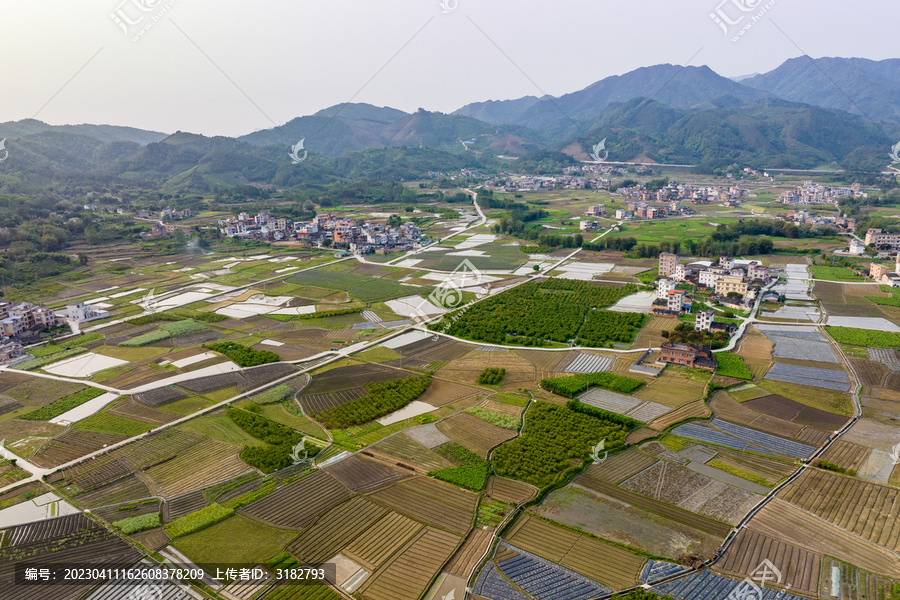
(383, 398)
(573, 385)
(243, 356)
(492, 376)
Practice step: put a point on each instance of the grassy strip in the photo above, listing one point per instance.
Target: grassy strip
(62, 405)
(178, 314)
(136, 524)
(587, 409)
(37, 363)
(863, 337)
(495, 418)
(201, 519)
(53, 347)
(731, 365)
(752, 477)
(329, 313)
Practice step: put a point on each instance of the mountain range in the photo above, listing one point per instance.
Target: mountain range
(840, 112)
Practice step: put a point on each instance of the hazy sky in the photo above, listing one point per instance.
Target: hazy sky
(229, 67)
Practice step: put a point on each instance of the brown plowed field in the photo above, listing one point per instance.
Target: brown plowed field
(72, 445)
(204, 464)
(353, 376)
(502, 407)
(519, 371)
(407, 576)
(469, 554)
(813, 436)
(869, 510)
(442, 393)
(783, 521)
(542, 359)
(363, 475)
(132, 409)
(443, 351)
(799, 567)
(473, 433)
(727, 408)
(783, 408)
(382, 540)
(696, 409)
(847, 454)
(335, 529)
(639, 435)
(507, 490)
(317, 403)
(153, 540)
(183, 505)
(297, 504)
(593, 558)
(621, 466)
(870, 373)
(126, 489)
(441, 507)
(756, 350)
(403, 449)
(664, 509)
(767, 468)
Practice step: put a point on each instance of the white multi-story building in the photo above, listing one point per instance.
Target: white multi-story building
(879, 239)
(82, 312)
(705, 320)
(756, 271)
(675, 300)
(663, 287)
(709, 277)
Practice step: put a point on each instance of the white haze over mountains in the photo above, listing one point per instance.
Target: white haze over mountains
(230, 67)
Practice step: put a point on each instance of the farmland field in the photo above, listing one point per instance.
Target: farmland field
(473, 433)
(664, 509)
(534, 313)
(620, 466)
(380, 541)
(400, 447)
(781, 520)
(868, 510)
(363, 475)
(359, 287)
(799, 567)
(216, 544)
(297, 504)
(618, 569)
(203, 464)
(583, 509)
(407, 576)
(507, 490)
(335, 529)
(431, 502)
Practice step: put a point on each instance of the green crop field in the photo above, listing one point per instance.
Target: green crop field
(538, 313)
(864, 337)
(360, 287)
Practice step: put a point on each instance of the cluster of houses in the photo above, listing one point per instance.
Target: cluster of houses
(20, 321)
(843, 223)
(735, 283)
(167, 214)
(529, 183)
(816, 193)
(883, 240)
(358, 236)
(883, 274)
(729, 196)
